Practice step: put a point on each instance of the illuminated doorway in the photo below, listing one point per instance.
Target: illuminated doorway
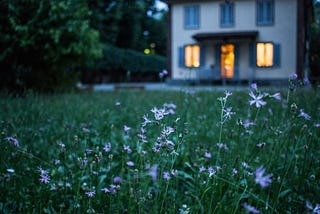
(227, 61)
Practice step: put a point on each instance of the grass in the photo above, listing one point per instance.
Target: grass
(89, 151)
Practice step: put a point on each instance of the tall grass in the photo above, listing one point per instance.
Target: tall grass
(160, 152)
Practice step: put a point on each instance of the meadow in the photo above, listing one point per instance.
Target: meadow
(250, 151)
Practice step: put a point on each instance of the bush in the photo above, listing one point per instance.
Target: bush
(125, 65)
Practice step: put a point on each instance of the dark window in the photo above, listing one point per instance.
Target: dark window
(227, 14)
(191, 17)
(265, 12)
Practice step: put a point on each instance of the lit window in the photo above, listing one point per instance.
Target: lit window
(192, 56)
(264, 54)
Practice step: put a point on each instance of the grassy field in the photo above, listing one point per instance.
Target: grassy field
(161, 152)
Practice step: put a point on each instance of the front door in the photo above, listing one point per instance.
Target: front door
(227, 61)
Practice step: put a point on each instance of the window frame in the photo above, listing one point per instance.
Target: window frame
(262, 12)
(227, 6)
(191, 21)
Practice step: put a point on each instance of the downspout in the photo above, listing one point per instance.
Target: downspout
(169, 42)
(301, 39)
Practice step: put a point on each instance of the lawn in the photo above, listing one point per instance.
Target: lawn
(161, 152)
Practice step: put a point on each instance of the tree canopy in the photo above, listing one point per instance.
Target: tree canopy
(46, 44)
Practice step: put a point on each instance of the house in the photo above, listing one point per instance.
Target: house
(238, 40)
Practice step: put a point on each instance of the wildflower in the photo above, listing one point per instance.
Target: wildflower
(53, 187)
(57, 162)
(130, 163)
(247, 124)
(263, 181)
(13, 140)
(126, 128)
(127, 148)
(293, 76)
(257, 99)
(249, 208)
(211, 171)
(90, 194)
(163, 74)
(107, 147)
(10, 170)
(254, 86)
(146, 120)
(227, 93)
(85, 160)
(167, 130)
(105, 190)
(315, 209)
(245, 165)
(44, 176)
(86, 130)
(222, 146)
(153, 172)
(207, 155)
(202, 169)
(117, 104)
(117, 179)
(227, 113)
(159, 113)
(234, 171)
(62, 145)
(184, 209)
(114, 189)
(166, 175)
(304, 115)
(276, 96)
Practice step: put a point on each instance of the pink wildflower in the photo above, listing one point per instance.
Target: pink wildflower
(260, 179)
(257, 99)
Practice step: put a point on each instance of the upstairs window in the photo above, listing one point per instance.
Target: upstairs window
(191, 17)
(192, 56)
(265, 12)
(227, 14)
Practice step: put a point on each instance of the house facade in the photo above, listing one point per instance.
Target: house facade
(238, 40)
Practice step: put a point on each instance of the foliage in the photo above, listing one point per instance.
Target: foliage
(44, 44)
(129, 60)
(195, 151)
(121, 65)
(130, 24)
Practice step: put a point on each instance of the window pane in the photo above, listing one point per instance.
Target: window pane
(260, 54)
(268, 54)
(188, 56)
(196, 56)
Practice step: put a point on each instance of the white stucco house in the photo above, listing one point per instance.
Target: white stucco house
(238, 40)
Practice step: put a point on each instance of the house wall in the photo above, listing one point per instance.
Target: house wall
(283, 32)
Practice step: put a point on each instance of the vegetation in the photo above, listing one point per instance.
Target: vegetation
(122, 65)
(46, 45)
(176, 152)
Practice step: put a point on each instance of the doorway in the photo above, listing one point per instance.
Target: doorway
(227, 61)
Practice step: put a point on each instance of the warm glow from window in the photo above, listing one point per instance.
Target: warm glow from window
(227, 60)
(264, 54)
(192, 56)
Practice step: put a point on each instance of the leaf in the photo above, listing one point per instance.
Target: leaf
(283, 193)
